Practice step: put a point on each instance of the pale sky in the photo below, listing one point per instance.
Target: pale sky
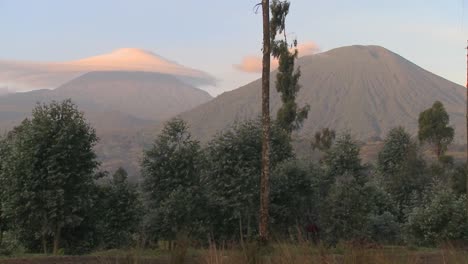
(216, 35)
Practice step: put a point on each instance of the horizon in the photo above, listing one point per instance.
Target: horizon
(432, 35)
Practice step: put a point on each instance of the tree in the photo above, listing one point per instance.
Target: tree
(265, 171)
(3, 218)
(233, 159)
(171, 181)
(439, 218)
(323, 140)
(343, 157)
(290, 117)
(403, 169)
(434, 128)
(393, 155)
(121, 211)
(50, 171)
(293, 196)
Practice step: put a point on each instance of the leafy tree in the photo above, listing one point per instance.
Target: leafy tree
(294, 198)
(397, 146)
(403, 169)
(345, 209)
(121, 211)
(290, 117)
(171, 181)
(323, 140)
(233, 159)
(458, 179)
(434, 128)
(343, 157)
(49, 171)
(440, 218)
(3, 218)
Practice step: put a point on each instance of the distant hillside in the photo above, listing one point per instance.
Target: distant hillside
(117, 104)
(366, 90)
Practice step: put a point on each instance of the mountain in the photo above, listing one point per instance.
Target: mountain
(28, 75)
(366, 90)
(146, 95)
(118, 104)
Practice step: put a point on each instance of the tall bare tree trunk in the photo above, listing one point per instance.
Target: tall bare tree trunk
(265, 176)
(57, 235)
(44, 243)
(466, 167)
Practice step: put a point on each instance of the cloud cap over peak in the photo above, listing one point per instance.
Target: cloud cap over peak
(24, 75)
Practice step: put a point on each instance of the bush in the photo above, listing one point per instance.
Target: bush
(383, 227)
(10, 245)
(440, 218)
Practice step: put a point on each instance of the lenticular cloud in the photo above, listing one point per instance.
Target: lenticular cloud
(23, 75)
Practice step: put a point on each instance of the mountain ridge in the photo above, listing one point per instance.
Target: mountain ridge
(366, 90)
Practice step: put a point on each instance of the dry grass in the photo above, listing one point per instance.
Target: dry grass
(305, 253)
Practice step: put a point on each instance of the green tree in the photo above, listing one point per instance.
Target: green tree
(233, 159)
(290, 117)
(345, 209)
(121, 211)
(294, 198)
(3, 218)
(403, 169)
(397, 146)
(323, 140)
(171, 181)
(50, 171)
(439, 218)
(434, 128)
(343, 157)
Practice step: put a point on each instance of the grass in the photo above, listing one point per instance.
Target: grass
(277, 253)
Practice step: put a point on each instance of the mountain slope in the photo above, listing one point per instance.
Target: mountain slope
(366, 90)
(145, 95)
(118, 104)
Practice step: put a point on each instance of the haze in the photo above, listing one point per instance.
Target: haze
(429, 33)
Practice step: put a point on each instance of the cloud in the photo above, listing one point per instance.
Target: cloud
(21, 76)
(253, 64)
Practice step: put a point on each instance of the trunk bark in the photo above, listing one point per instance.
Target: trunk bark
(57, 234)
(44, 244)
(265, 175)
(466, 167)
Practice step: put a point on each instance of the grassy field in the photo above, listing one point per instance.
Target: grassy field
(279, 253)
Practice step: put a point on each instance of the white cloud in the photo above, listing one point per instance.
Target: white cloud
(20, 76)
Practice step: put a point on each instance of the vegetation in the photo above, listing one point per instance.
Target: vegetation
(289, 116)
(53, 193)
(48, 166)
(203, 196)
(434, 128)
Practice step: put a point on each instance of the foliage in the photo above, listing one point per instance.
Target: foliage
(434, 128)
(323, 140)
(397, 146)
(458, 179)
(343, 157)
(233, 163)
(403, 169)
(289, 117)
(171, 181)
(344, 212)
(49, 171)
(294, 198)
(440, 218)
(121, 211)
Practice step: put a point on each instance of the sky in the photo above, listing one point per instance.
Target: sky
(216, 36)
